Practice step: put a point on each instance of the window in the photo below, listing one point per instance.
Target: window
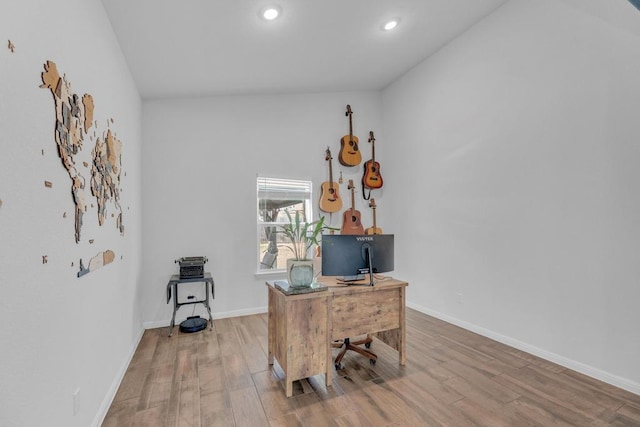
(275, 197)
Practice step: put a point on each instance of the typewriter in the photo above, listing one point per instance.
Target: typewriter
(191, 267)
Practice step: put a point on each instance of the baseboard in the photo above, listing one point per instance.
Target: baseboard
(219, 315)
(590, 371)
(108, 399)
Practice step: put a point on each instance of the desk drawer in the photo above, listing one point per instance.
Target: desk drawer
(361, 313)
(196, 289)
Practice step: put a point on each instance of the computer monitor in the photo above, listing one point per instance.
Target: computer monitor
(352, 256)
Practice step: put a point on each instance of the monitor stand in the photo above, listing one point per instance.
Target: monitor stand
(358, 278)
(350, 279)
(370, 262)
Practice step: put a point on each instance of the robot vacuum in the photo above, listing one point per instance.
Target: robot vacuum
(193, 324)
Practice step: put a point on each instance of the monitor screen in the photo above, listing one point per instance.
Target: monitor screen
(346, 255)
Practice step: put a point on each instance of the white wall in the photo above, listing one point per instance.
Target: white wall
(516, 153)
(59, 332)
(201, 159)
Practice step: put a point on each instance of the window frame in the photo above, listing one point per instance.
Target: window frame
(272, 187)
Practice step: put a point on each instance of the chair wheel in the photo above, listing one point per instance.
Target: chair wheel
(367, 345)
(372, 361)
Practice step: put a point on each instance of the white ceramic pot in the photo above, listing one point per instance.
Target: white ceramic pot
(300, 273)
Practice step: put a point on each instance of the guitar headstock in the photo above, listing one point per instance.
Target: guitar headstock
(372, 203)
(350, 187)
(328, 154)
(349, 112)
(371, 137)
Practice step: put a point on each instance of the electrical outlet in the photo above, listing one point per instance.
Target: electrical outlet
(459, 297)
(76, 401)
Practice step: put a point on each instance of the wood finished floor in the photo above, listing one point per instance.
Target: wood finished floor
(453, 377)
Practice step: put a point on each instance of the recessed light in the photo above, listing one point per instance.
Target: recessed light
(270, 12)
(390, 25)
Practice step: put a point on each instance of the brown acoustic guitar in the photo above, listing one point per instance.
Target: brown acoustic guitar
(375, 229)
(372, 178)
(330, 200)
(349, 151)
(351, 223)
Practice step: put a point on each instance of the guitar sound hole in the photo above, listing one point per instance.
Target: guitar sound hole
(353, 219)
(331, 191)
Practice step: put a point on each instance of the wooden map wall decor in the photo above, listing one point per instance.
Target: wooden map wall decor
(74, 118)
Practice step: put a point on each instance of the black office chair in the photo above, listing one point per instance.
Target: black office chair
(347, 345)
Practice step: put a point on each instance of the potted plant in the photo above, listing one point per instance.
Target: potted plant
(302, 236)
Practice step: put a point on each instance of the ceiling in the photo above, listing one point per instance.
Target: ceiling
(184, 48)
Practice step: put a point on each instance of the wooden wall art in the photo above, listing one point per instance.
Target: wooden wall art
(67, 133)
(98, 261)
(74, 118)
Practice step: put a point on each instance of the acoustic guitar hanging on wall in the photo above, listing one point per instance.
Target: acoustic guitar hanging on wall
(375, 229)
(349, 151)
(372, 178)
(330, 200)
(351, 223)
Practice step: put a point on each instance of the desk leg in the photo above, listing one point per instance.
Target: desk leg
(328, 376)
(403, 328)
(271, 326)
(206, 304)
(175, 308)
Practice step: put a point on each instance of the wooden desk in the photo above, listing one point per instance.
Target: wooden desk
(302, 327)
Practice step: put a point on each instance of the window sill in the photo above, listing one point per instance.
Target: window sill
(270, 273)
